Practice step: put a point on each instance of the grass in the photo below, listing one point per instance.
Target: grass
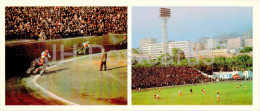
(229, 94)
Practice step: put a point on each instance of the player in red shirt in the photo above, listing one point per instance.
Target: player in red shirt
(179, 92)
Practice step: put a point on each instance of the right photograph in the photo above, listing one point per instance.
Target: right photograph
(192, 56)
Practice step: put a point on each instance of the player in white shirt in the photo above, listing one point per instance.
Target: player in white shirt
(218, 96)
(204, 91)
(158, 97)
(179, 92)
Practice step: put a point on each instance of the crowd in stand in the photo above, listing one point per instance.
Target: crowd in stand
(60, 22)
(146, 77)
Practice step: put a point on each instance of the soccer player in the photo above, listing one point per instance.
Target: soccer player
(218, 91)
(158, 97)
(159, 89)
(237, 86)
(190, 91)
(154, 95)
(245, 87)
(204, 91)
(218, 96)
(179, 92)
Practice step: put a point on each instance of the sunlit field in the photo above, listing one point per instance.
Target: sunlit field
(229, 94)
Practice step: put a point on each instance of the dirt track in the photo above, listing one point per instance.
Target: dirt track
(21, 91)
(101, 87)
(82, 83)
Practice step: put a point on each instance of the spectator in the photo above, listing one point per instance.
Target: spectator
(146, 77)
(59, 22)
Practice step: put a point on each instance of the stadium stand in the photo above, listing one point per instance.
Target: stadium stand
(146, 77)
(61, 22)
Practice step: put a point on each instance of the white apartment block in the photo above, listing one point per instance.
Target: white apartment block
(234, 43)
(210, 44)
(196, 53)
(248, 42)
(247, 34)
(206, 53)
(143, 44)
(212, 53)
(155, 50)
(185, 46)
(202, 41)
(197, 46)
(150, 47)
(220, 52)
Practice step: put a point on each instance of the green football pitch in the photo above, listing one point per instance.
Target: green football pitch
(229, 94)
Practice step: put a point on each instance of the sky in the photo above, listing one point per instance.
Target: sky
(190, 23)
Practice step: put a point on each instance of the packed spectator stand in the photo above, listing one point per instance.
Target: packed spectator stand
(61, 22)
(146, 77)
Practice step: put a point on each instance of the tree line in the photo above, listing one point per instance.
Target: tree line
(242, 62)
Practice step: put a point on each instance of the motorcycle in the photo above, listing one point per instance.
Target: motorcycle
(81, 51)
(37, 67)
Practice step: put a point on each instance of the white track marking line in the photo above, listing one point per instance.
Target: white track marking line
(116, 78)
(106, 73)
(54, 95)
(50, 93)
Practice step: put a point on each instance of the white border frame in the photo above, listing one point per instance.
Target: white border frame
(256, 26)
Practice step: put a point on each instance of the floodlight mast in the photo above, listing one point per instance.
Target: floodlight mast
(165, 13)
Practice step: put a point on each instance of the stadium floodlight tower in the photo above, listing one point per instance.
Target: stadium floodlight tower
(165, 14)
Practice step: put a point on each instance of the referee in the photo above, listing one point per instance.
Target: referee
(103, 60)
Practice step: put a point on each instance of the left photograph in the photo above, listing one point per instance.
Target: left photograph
(65, 55)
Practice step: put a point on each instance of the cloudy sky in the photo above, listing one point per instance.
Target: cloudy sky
(190, 23)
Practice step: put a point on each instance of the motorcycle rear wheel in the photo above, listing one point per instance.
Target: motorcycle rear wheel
(29, 71)
(34, 62)
(43, 68)
(36, 71)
